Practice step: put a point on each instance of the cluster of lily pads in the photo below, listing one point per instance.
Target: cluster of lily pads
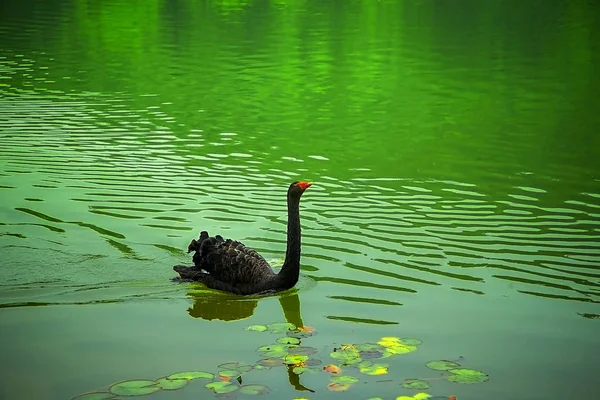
(348, 360)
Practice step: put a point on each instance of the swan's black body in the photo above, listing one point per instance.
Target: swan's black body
(230, 266)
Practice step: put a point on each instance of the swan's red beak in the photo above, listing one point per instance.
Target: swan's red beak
(304, 185)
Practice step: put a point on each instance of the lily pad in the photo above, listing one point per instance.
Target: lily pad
(295, 359)
(171, 384)
(370, 354)
(345, 379)
(270, 362)
(273, 350)
(418, 396)
(191, 375)
(367, 347)
(236, 366)
(135, 387)
(254, 389)
(463, 375)
(303, 369)
(304, 350)
(313, 361)
(369, 368)
(221, 387)
(333, 369)
(230, 373)
(422, 396)
(442, 365)
(257, 328)
(95, 396)
(281, 327)
(289, 340)
(338, 387)
(415, 384)
(348, 355)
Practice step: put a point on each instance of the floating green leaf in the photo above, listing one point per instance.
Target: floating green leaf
(191, 375)
(134, 387)
(346, 355)
(415, 384)
(241, 368)
(230, 373)
(345, 379)
(254, 389)
(301, 370)
(369, 354)
(369, 368)
(463, 375)
(338, 387)
(171, 384)
(269, 362)
(304, 350)
(95, 396)
(281, 327)
(422, 396)
(221, 387)
(442, 365)
(256, 328)
(367, 346)
(295, 359)
(274, 350)
(418, 396)
(288, 340)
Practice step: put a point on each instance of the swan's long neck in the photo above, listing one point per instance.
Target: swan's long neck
(291, 267)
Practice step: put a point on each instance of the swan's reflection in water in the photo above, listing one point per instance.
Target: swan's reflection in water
(209, 305)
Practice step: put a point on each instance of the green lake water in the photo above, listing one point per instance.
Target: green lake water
(453, 147)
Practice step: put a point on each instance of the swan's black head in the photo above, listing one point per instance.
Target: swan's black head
(297, 188)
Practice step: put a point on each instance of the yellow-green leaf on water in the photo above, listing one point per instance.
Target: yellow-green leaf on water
(302, 370)
(230, 373)
(274, 350)
(270, 362)
(221, 387)
(253, 389)
(421, 396)
(369, 368)
(415, 384)
(95, 396)
(191, 375)
(463, 375)
(418, 396)
(281, 327)
(288, 340)
(442, 365)
(256, 328)
(343, 379)
(346, 356)
(135, 387)
(294, 359)
(171, 384)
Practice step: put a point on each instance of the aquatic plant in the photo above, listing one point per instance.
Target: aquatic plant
(348, 363)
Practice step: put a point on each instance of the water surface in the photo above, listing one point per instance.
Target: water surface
(456, 200)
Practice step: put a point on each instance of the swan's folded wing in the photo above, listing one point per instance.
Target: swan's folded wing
(231, 261)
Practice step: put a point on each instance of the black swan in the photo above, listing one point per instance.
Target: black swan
(230, 266)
